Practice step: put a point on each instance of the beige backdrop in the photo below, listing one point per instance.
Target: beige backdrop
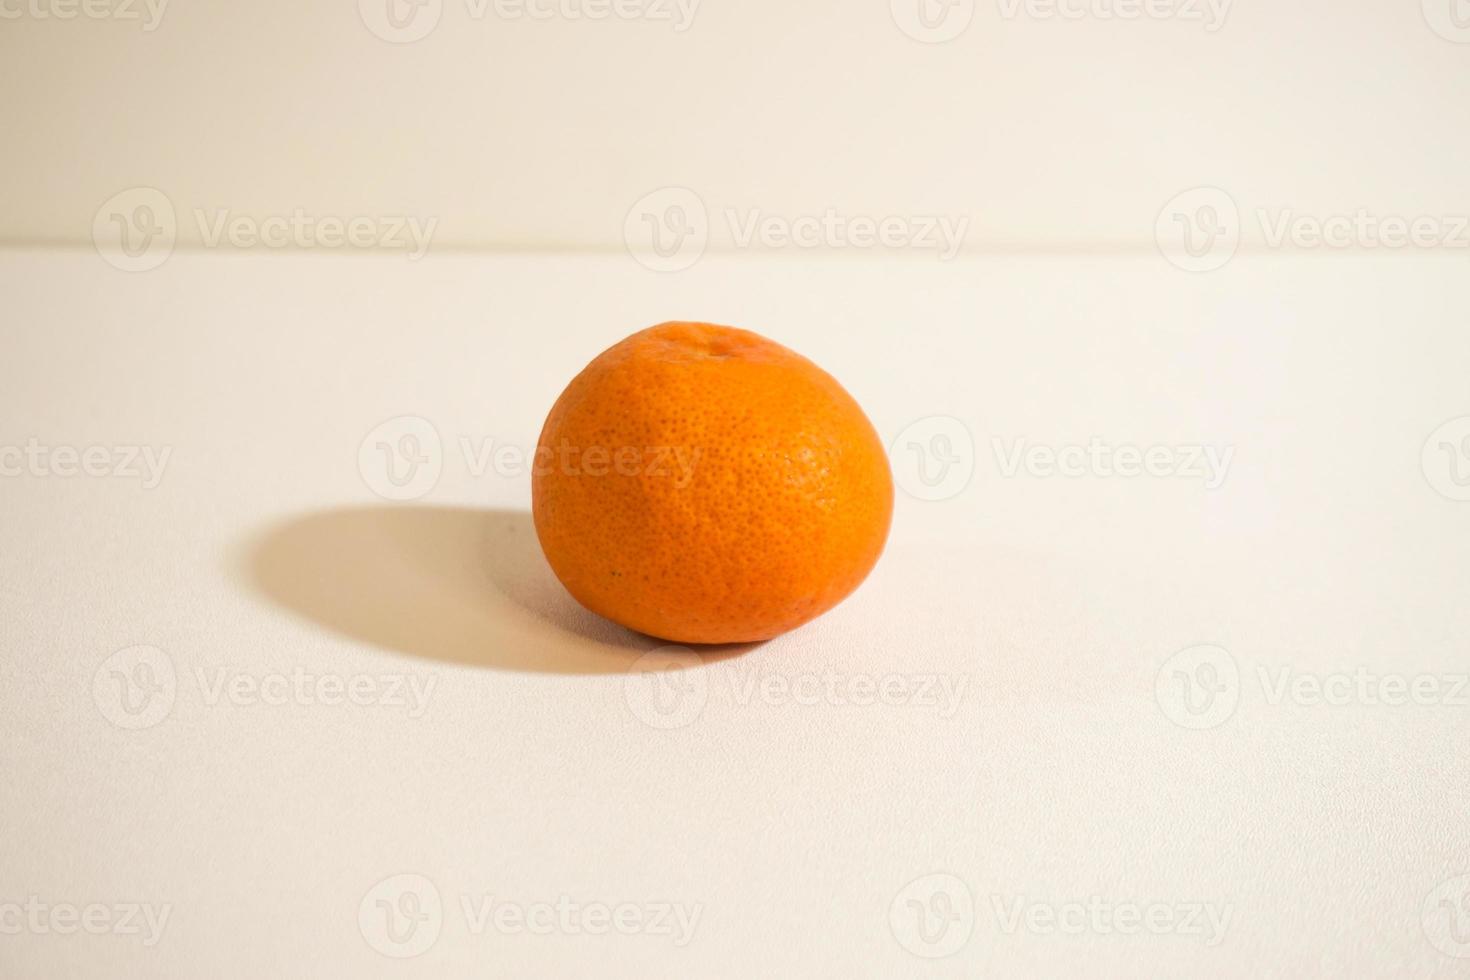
(541, 123)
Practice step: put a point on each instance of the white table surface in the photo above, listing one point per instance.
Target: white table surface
(1029, 742)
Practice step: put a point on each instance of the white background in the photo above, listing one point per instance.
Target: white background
(1052, 604)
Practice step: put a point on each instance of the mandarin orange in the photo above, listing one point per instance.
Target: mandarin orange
(703, 484)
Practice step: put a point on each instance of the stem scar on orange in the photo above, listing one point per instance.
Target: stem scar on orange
(703, 484)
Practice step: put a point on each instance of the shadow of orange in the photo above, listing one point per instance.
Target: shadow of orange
(454, 584)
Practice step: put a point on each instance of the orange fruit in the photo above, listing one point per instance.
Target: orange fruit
(703, 484)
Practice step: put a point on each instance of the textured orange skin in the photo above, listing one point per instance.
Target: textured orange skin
(744, 492)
